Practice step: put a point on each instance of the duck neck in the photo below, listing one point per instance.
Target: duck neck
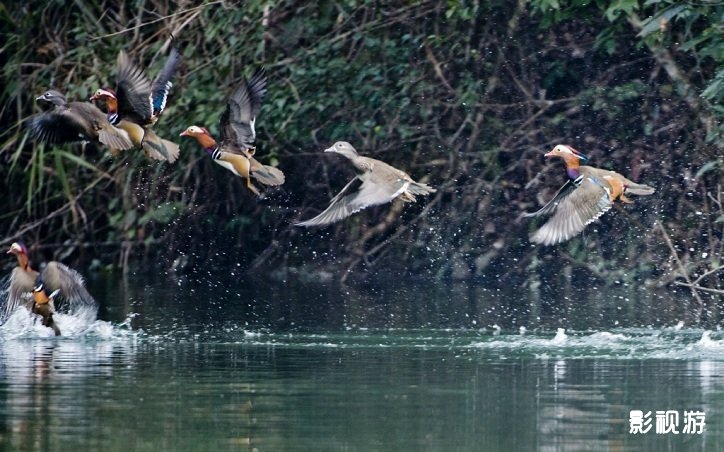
(112, 105)
(112, 108)
(573, 168)
(208, 143)
(23, 261)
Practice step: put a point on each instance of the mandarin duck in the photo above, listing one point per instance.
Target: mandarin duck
(55, 276)
(64, 122)
(236, 127)
(43, 305)
(588, 194)
(136, 104)
(377, 183)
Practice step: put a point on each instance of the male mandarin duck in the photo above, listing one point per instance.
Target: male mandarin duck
(236, 150)
(136, 104)
(588, 194)
(55, 276)
(43, 305)
(377, 183)
(64, 122)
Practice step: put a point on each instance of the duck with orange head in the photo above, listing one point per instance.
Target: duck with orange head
(56, 276)
(136, 104)
(236, 150)
(44, 306)
(589, 193)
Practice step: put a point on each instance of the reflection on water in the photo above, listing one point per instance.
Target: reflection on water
(391, 390)
(252, 370)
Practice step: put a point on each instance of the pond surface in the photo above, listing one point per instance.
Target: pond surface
(188, 365)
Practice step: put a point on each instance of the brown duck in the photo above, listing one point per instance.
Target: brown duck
(588, 194)
(64, 122)
(236, 151)
(377, 183)
(43, 305)
(55, 276)
(136, 104)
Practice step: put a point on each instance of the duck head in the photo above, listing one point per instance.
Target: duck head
(51, 98)
(344, 148)
(21, 252)
(201, 134)
(103, 94)
(18, 248)
(567, 153)
(108, 96)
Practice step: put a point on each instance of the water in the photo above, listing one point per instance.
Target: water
(187, 365)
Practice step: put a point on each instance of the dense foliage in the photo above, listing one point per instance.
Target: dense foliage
(465, 96)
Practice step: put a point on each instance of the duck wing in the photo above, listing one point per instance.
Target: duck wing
(551, 205)
(20, 289)
(66, 124)
(575, 211)
(355, 197)
(238, 120)
(72, 288)
(133, 91)
(162, 83)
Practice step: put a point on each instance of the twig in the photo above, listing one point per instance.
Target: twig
(126, 30)
(436, 67)
(693, 287)
(53, 214)
(697, 287)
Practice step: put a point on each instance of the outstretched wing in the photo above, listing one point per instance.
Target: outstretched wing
(560, 195)
(354, 198)
(574, 212)
(238, 120)
(133, 91)
(58, 126)
(162, 84)
(73, 293)
(20, 287)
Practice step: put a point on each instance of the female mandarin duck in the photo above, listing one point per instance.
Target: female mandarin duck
(55, 276)
(136, 104)
(588, 194)
(236, 150)
(377, 183)
(44, 306)
(64, 122)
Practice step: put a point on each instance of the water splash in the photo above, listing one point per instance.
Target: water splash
(560, 337)
(707, 342)
(23, 324)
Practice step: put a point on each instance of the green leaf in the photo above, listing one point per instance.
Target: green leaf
(654, 23)
(627, 7)
(715, 88)
(707, 167)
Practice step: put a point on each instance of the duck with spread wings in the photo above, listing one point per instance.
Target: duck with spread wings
(589, 193)
(136, 104)
(376, 183)
(236, 150)
(56, 276)
(68, 122)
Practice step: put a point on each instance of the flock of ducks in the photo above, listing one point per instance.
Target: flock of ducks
(124, 121)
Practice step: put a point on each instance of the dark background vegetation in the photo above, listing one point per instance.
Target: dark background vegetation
(465, 96)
